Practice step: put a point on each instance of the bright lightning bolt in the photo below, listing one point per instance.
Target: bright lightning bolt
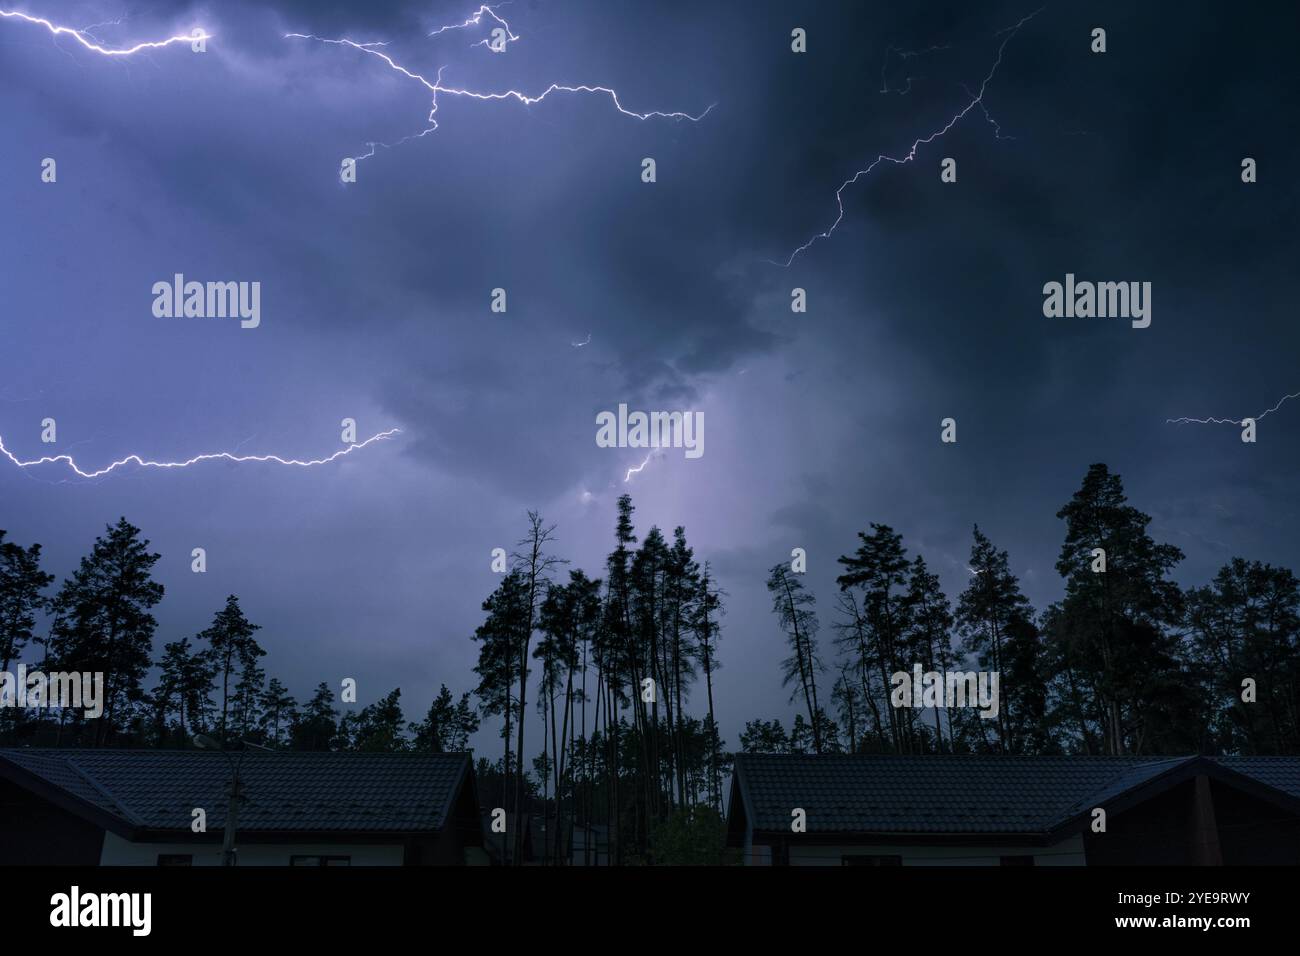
(578, 345)
(91, 43)
(474, 20)
(369, 48)
(977, 99)
(436, 86)
(228, 456)
(1229, 421)
(638, 469)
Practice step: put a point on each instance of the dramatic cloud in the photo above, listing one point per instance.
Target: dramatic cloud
(926, 303)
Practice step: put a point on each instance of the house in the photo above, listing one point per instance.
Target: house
(954, 810)
(584, 845)
(546, 834)
(142, 808)
(590, 845)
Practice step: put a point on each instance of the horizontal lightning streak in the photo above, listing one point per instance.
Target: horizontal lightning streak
(1230, 421)
(435, 87)
(90, 42)
(527, 100)
(977, 99)
(228, 456)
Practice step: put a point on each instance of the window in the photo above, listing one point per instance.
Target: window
(863, 859)
(175, 859)
(320, 861)
(1025, 859)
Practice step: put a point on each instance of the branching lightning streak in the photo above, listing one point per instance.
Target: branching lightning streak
(85, 31)
(977, 99)
(578, 345)
(997, 127)
(228, 456)
(904, 55)
(474, 20)
(90, 42)
(1229, 421)
(435, 87)
(103, 23)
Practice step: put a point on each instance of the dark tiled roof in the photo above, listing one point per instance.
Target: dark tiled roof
(1125, 779)
(1282, 773)
(304, 792)
(865, 793)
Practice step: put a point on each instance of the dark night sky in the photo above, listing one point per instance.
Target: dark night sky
(925, 303)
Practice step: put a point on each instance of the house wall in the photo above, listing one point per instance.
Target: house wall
(1156, 832)
(1068, 852)
(34, 832)
(120, 852)
(1162, 831)
(447, 849)
(597, 854)
(1253, 832)
(756, 854)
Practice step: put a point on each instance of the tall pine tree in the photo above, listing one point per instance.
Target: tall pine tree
(102, 624)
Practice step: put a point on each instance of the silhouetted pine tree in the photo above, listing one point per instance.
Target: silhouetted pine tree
(535, 565)
(929, 636)
(184, 688)
(1116, 655)
(795, 609)
(1245, 625)
(987, 611)
(21, 585)
(316, 725)
(764, 737)
(499, 638)
(875, 580)
(447, 726)
(231, 638)
(379, 727)
(279, 710)
(708, 608)
(102, 624)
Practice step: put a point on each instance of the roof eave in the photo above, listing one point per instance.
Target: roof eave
(907, 837)
(36, 784)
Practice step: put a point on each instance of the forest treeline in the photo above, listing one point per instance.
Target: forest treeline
(619, 670)
(1126, 662)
